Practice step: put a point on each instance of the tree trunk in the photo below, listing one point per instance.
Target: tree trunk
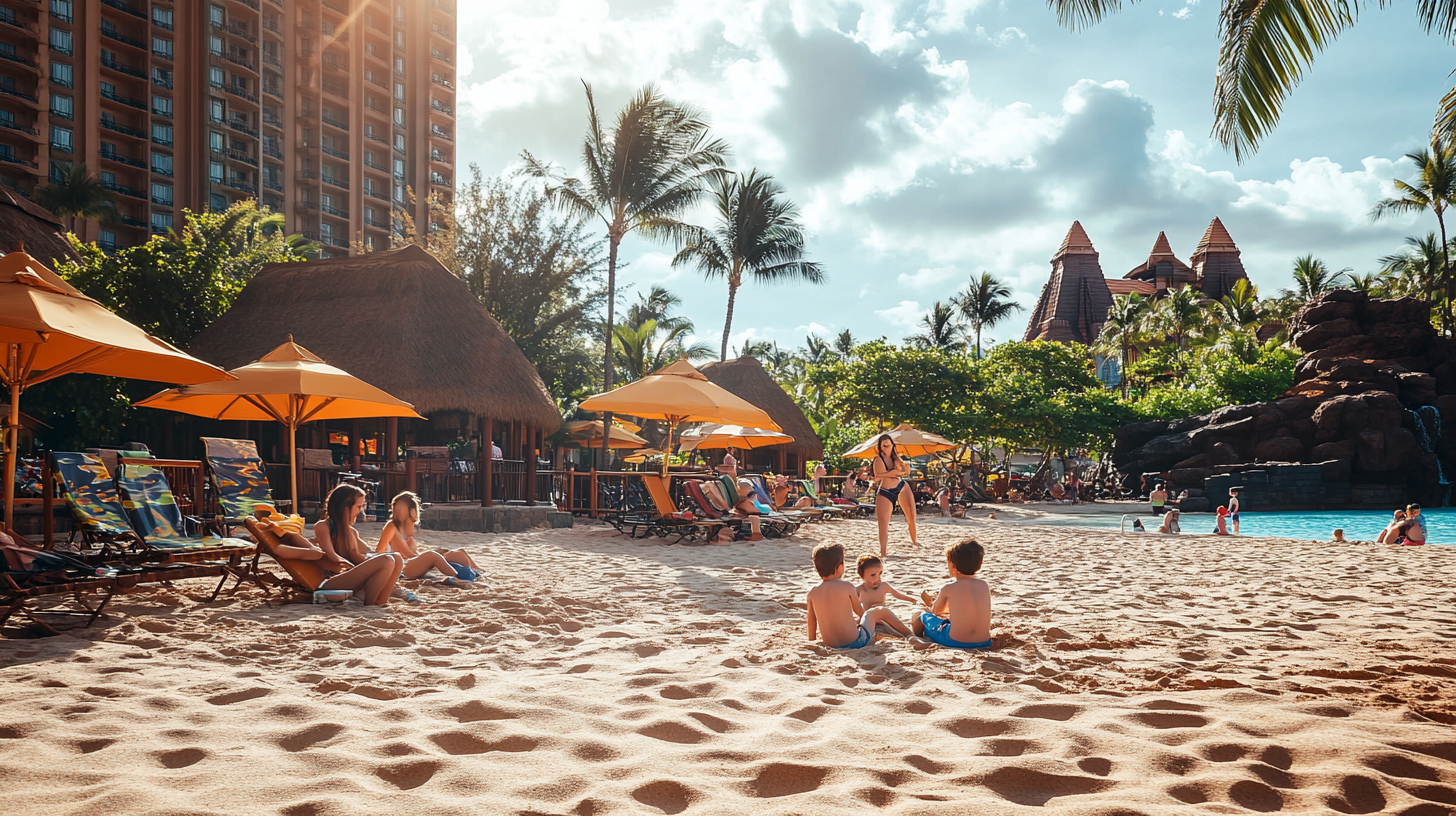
(978, 341)
(607, 358)
(1446, 273)
(1122, 372)
(733, 284)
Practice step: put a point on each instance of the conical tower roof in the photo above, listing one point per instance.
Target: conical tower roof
(1215, 239)
(1076, 242)
(1162, 252)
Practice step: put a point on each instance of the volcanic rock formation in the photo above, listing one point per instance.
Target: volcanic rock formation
(1361, 426)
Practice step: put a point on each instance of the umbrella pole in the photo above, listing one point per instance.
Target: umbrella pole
(292, 426)
(12, 443)
(667, 449)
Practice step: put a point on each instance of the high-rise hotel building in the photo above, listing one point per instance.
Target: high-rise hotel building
(325, 110)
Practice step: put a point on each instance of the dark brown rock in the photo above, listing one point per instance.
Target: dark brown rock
(1279, 449)
(1268, 417)
(1336, 471)
(1192, 462)
(1188, 477)
(1327, 418)
(1322, 311)
(1403, 310)
(1295, 406)
(1222, 453)
(1326, 334)
(1332, 450)
(1370, 451)
(1303, 430)
(1356, 416)
(1445, 375)
(1385, 410)
(1417, 389)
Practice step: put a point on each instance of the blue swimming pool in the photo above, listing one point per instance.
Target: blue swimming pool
(1359, 525)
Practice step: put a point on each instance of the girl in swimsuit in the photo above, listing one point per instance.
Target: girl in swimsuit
(373, 577)
(457, 566)
(889, 469)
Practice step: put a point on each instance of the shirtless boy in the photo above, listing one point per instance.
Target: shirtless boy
(960, 614)
(874, 588)
(834, 607)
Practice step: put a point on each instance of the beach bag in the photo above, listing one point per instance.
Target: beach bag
(19, 558)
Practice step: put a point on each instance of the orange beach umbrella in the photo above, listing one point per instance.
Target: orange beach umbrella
(909, 441)
(291, 385)
(709, 437)
(680, 393)
(586, 433)
(48, 328)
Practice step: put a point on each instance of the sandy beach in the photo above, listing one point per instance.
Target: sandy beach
(599, 675)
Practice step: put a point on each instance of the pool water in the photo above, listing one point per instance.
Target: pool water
(1359, 525)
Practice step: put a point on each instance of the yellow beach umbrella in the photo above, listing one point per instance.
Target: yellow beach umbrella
(680, 393)
(290, 385)
(712, 437)
(909, 441)
(49, 329)
(587, 433)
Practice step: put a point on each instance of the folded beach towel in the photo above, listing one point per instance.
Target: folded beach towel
(277, 523)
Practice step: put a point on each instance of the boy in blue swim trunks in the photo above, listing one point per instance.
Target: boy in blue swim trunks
(960, 614)
(834, 607)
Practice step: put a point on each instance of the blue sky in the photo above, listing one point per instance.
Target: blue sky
(928, 141)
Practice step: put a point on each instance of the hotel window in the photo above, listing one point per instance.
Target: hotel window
(108, 179)
(162, 106)
(399, 193)
(161, 164)
(215, 109)
(63, 10)
(399, 116)
(216, 15)
(62, 74)
(161, 222)
(107, 239)
(399, 65)
(162, 135)
(162, 194)
(399, 142)
(7, 119)
(399, 90)
(399, 40)
(217, 201)
(162, 48)
(60, 139)
(61, 40)
(214, 44)
(161, 77)
(162, 18)
(62, 106)
(215, 141)
(214, 172)
(215, 76)
(399, 168)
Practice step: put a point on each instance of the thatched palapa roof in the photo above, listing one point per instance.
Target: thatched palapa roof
(25, 222)
(398, 320)
(746, 378)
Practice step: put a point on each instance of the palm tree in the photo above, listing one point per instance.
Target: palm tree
(1179, 314)
(641, 350)
(1240, 308)
(640, 177)
(942, 329)
(1123, 331)
(758, 233)
(816, 350)
(1265, 50)
(844, 343)
(985, 303)
(657, 304)
(1431, 191)
(1312, 278)
(1417, 269)
(75, 193)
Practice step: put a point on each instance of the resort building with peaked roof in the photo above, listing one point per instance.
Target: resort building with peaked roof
(1074, 302)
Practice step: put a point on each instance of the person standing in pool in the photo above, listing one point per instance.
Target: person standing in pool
(1233, 507)
(889, 470)
(1159, 498)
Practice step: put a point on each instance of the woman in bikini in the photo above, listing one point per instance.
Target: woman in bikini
(328, 567)
(889, 470)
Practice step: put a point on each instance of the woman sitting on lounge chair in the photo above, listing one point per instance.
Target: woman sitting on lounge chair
(779, 490)
(373, 577)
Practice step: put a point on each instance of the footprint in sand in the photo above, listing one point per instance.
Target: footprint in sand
(1256, 796)
(1048, 711)
(460, 743)
(1028, 786)
(1358, 794)
(786, 779)
(182, 758)
(408, 775)
(1168, 719)
(808, 714)
(671, 731)
(242, 695)
(309, 737)
(971, 728)
(666, 796)
(476, 711)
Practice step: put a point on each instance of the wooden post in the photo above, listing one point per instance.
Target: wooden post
(354, 443)
(48, 504)
(530, 435)
(783, 460)
(411, 476)
(198, 492)
(391, 440)
(570, 476)
(592, 505)
(486, 472)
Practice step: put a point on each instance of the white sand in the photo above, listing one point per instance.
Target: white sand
(598, 675)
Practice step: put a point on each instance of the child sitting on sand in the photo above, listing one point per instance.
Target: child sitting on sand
(873, 590)
(399, 536)
(1220, 525)
(834, 607)
(960, 614)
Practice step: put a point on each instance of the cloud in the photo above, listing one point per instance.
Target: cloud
(905, 314)
(929, 277)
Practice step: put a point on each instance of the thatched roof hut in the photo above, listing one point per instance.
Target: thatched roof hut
(746, 378)
(25, 222)
(398, 320)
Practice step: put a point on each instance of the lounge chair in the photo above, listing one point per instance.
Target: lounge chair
(827, 505)
(772, 524)
(760, 492)
(695, 492)
(667, 523)
(238, 477)
(96, 509)
(27, 574)
(154, 515)
(303, 576)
